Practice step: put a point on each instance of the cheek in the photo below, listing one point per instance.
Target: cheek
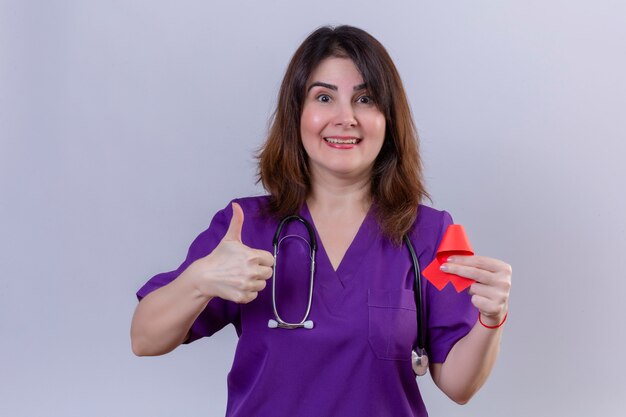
(376, 129)
(310, 122)
(379, 126)
(309, 131)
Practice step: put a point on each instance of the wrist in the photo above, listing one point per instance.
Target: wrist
(192, 278)
(492, 322)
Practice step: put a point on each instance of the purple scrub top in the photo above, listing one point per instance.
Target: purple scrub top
(357, 358)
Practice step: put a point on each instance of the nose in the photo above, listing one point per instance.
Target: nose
(345, 115)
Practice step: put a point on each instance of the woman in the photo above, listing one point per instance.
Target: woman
(342, 153)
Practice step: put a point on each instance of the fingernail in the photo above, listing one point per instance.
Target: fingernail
(444, 267)
(450, 259)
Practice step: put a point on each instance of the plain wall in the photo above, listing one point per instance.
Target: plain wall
(125, 125)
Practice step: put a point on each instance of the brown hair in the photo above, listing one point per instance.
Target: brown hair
(397, 181)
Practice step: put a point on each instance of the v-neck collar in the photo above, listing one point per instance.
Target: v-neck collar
(352, 259)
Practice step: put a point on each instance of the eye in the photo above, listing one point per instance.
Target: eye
(365, 100)
(323, 98)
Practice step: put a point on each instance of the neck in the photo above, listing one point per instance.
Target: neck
(336, 195)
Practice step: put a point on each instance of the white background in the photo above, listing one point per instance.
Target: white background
(125, 125)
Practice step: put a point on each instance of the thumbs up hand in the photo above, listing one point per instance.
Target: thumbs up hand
(233, 271)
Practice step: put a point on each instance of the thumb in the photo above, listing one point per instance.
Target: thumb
(236, 223)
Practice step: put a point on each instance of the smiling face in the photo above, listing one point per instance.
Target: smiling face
(342, 129)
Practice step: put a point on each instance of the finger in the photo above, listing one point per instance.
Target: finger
(236, 224)
(258, 285)
(263, 272)
(482, 289)
(492, 293)
(264, 258)
(499, 283)
(252, 284)
(476, 274)
(481, 262)
(246, 297)
(486, 306)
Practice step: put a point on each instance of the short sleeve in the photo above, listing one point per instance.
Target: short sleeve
(218, 313)
(450, 315)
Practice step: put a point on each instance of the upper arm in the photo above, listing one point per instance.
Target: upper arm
(435, 372)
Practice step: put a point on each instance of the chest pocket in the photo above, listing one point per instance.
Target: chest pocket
(392, 323)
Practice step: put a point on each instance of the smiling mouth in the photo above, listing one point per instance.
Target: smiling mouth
(342, 141)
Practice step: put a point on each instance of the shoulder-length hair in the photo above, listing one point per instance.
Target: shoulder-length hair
(397, 185)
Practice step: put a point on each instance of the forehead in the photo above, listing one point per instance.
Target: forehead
(337, 71)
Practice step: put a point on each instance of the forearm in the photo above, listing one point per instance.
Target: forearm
(468, 364)
(163, 318)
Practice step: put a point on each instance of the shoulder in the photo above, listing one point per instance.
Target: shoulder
(254, 207)
(429, 228)
(428, 218)
(255, 200)
(258, 223)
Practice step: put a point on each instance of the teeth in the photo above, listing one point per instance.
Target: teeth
(341, 141)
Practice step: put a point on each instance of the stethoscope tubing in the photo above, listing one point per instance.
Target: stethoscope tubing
(305, 322)
(417, 294)
(419, 356)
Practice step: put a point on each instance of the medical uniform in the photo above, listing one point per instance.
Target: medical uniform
(356, 361)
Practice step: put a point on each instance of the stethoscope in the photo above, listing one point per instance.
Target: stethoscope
(419, 357)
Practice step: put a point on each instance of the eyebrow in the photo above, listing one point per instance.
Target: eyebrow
(334, 87)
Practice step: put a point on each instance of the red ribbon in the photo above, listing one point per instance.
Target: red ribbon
(454, 242)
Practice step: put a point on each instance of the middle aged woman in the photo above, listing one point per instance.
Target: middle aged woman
(342, 153)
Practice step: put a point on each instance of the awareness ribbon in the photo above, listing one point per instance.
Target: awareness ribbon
(454, 242)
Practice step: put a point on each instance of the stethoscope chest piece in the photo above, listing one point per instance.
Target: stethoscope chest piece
(273, 324)
(419, 362)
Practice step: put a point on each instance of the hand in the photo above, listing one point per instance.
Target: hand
(490, 292)
(233, 271)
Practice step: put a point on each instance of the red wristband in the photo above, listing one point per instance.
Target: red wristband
(497, 325)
